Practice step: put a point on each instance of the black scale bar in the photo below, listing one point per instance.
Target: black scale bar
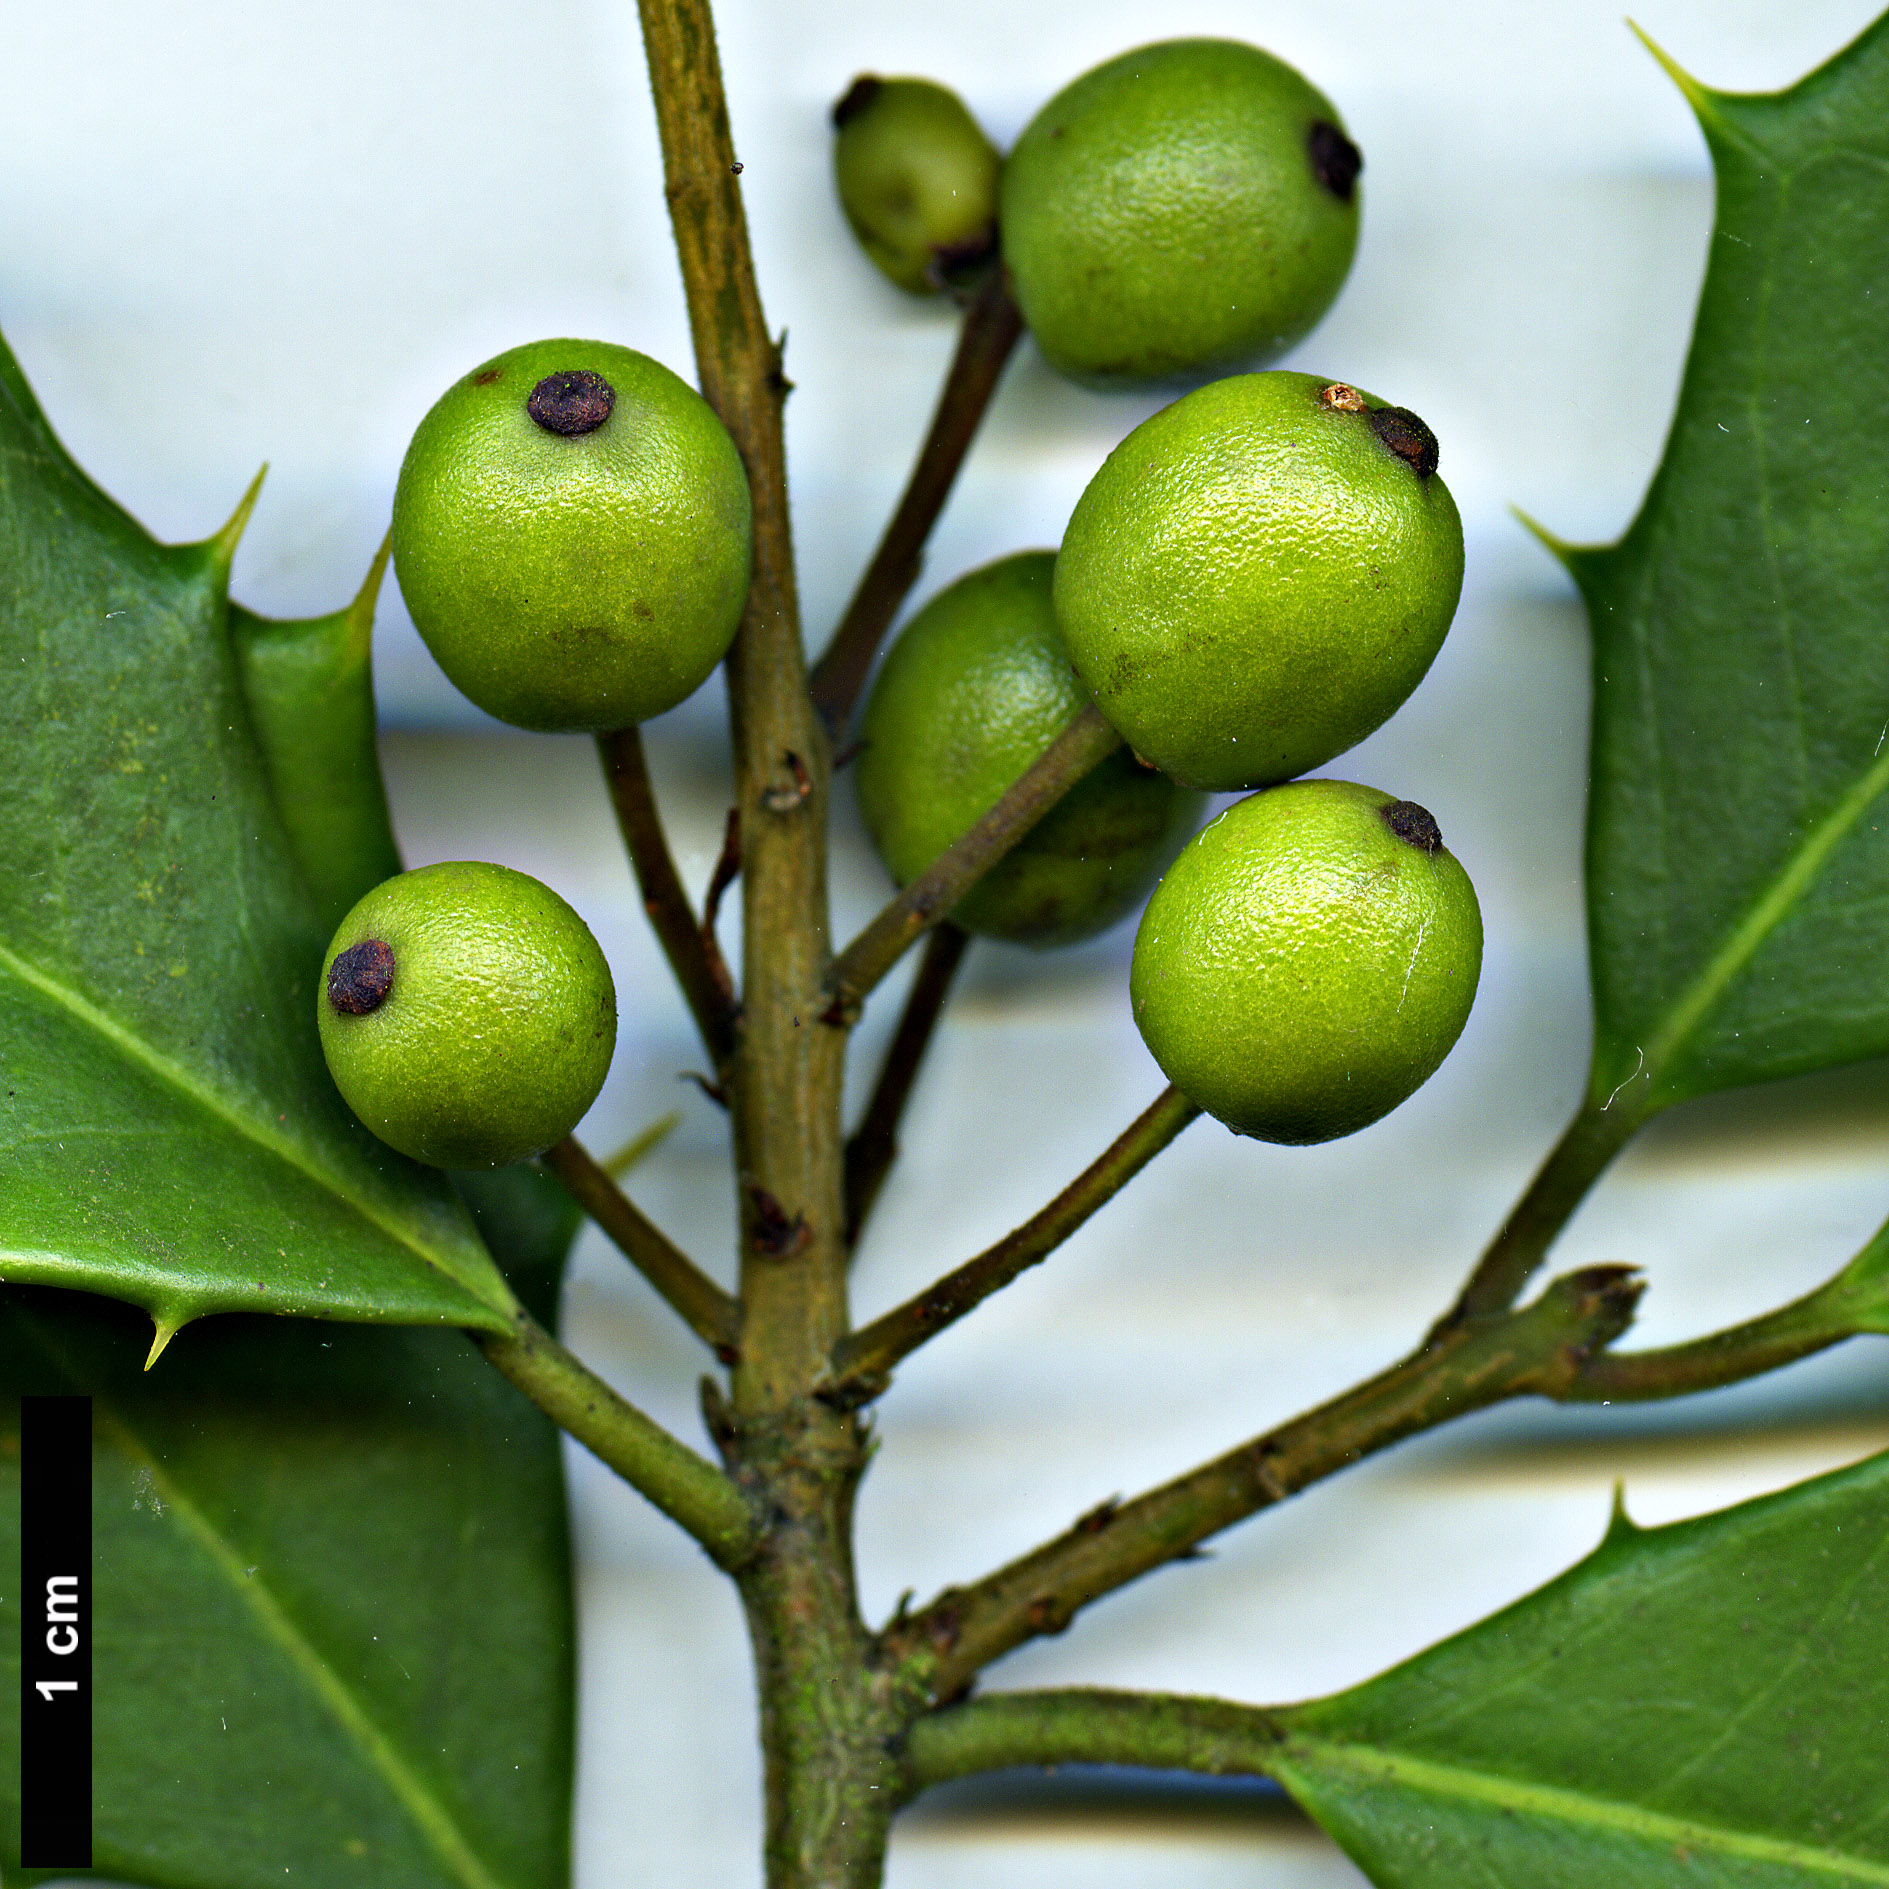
(56, 1632)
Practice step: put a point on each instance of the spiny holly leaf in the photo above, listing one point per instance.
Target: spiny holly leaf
(309, 684)
(1702, 1703)
(1738, 849)
(332, 1605)
(168, 1132)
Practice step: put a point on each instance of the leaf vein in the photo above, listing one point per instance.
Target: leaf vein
(1374, 1764)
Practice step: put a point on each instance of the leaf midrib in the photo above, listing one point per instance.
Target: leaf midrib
(1765, 914)
(1688, 1011)
(206, 1098)
(434, 1821)
(1375, 1764)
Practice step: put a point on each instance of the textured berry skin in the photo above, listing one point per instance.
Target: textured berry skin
(573, 581)
(916, 177)
(1165, 217)
(498, 1022)
(976, 687)
(1303, 968)
(1256, 579)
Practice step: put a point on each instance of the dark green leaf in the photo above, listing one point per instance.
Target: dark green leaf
(528, 1221)
(169, 1132)
(1738, 853)
(310, 689)
(1703, 1703)
(333, 1635)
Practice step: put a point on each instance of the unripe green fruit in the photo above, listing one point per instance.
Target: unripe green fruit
(1187, 209)
(917, 179)
(572, 535)
(1308, 961)
(976, 687)
(1259, 575)
(467, 1014)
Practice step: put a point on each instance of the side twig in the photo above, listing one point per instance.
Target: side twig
(692, 1493)
(1854, 1302)
(1162, 1731)
(1539, 1349)
(1577, 1161)
(705, 1308)
(874, 1144)
(992, 324)
(706, 986)
(862, 1363)
(1087, 740)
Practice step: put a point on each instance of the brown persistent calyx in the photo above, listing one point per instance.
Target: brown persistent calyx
(360, 978)
(1414, 825)
(1336, 161)
(1338, 398)
(571, 403)
(1407, 437)
(859, 95)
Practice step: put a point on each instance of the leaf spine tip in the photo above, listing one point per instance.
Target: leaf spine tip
(166, 1330)
(223, 544)
(1558, 548)
(1620, 1525)
(361, 611)
(1696, 95)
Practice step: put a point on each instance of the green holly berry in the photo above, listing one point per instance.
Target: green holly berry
(975, 688)
(1187, 209)
(572, 535)
(917, 179)
(1308, 961)
(1259, 575)
(467, 1014)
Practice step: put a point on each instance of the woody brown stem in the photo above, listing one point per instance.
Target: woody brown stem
(992, 324)
(874, 1144)
(862, 1364)
(704, 981)
(1086, 741)
(1539, 1349)
(705, 1308)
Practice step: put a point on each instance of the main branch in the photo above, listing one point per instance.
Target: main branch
(822, 1726)
(1539, 1349)
(784, 1088)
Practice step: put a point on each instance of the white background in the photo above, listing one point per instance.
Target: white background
(232, 232)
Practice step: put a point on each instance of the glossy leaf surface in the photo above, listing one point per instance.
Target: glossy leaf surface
(333, 1635)
(170, 1135)
(310, 689)
(1738, 850)
(1702, 1703)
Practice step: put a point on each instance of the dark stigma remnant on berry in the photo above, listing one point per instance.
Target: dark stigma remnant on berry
(360, 978)
(1336, 161)
(859, 95)
(1414, 825)
(571, 403)
(1407, 437)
